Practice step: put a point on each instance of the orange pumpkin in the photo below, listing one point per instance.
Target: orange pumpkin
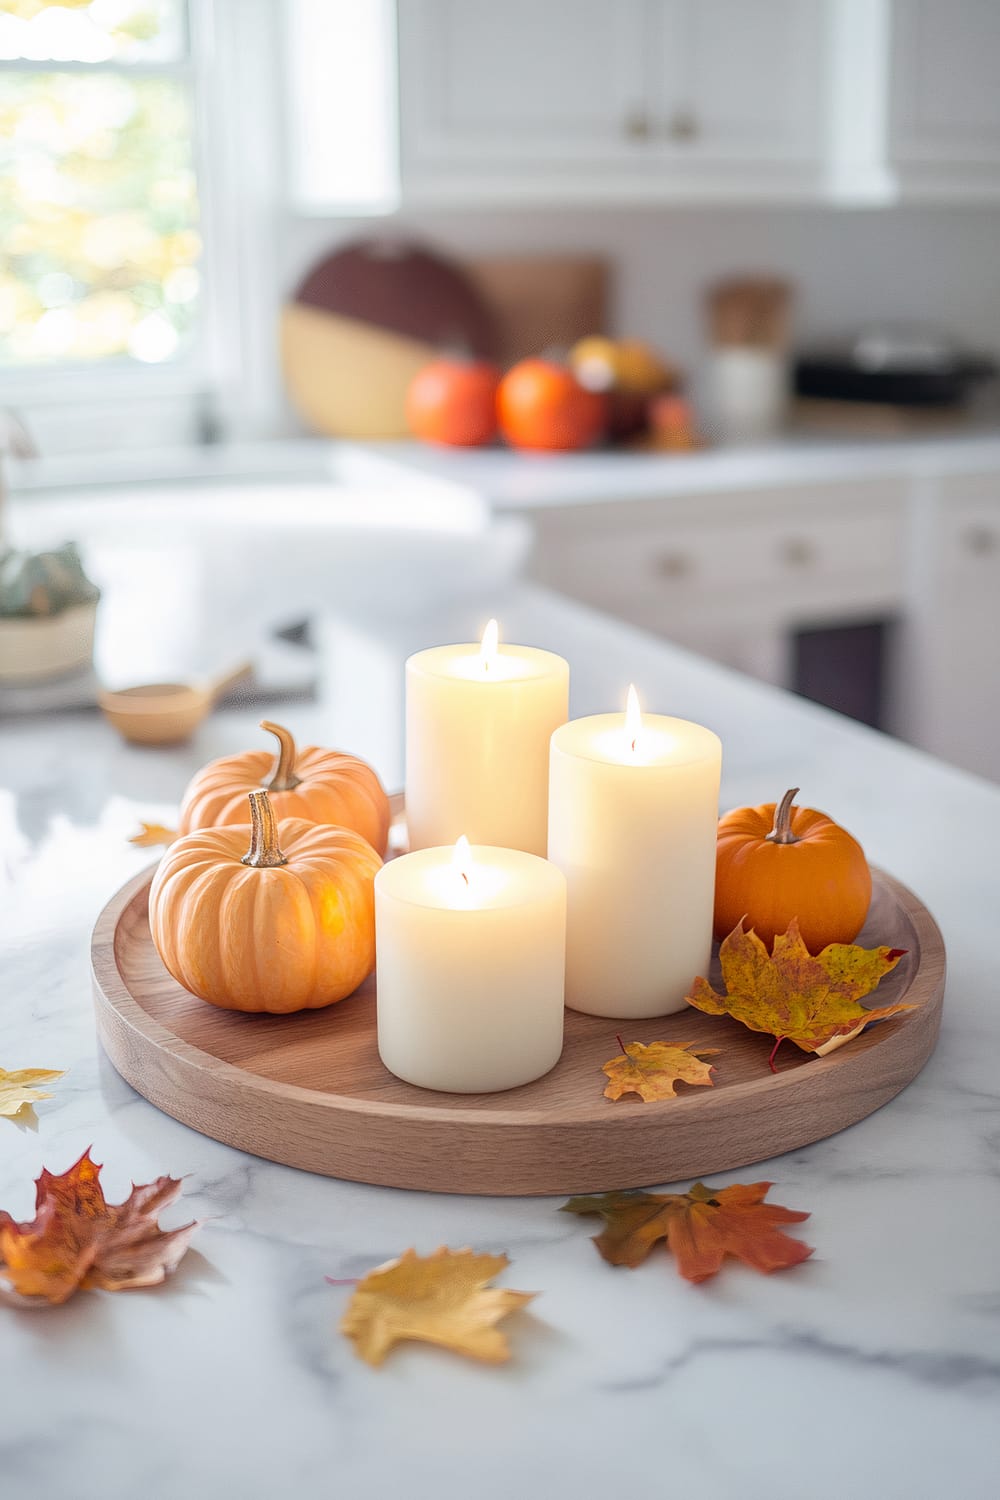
(274, 928)
(322, 786)
(779, 862)
(542, 405)
(454, 402)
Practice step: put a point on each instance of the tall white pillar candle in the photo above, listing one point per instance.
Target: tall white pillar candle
(633, 812)
(470, 947)
(478, 724)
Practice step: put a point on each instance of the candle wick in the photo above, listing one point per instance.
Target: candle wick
(633, 747)
(464, 876)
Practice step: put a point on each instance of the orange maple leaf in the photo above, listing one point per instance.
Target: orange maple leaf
(437, 1299)
(701, 1227)
(653, 1071)
(78, 1240)
(150, 835)
(793, 994)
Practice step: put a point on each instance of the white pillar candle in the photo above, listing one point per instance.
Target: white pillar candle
(478, 724)
(470, 946)
(633, 811)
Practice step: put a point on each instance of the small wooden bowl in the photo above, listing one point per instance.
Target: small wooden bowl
(164, 713)
(157, 713)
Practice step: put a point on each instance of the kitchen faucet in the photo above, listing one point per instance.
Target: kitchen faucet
(15, 442)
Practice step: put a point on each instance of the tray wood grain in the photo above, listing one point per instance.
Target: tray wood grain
(310, 1091)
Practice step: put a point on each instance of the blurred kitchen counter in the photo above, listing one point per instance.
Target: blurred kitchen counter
(513, 481)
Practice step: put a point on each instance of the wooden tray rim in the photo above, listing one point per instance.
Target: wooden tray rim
(116, 992)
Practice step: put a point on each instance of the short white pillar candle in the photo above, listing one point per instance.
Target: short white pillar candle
(633, 814)
(478, 723)
(470, 946)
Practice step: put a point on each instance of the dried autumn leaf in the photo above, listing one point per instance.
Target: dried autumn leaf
(701, 1227)
(18, 1090)
(794, 995)
(78, 1240)
(653, 1071)
(438, 1299)
(151, 835)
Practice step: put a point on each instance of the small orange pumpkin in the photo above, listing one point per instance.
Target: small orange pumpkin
(322, 786)
(777, 862)
(277, 928)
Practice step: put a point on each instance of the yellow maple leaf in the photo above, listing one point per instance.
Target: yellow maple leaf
(653, 1071)
(18, 1090)
(437, 1299)
(151, 835)
(794, 995)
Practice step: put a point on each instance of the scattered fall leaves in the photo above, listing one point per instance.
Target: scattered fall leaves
(151, 835)
(792, 994)
(700, 1227)
(438, 1299)
(19, 1091)
(653, 1071)
(78, 1240)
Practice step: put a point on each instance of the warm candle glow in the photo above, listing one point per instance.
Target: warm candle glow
(633, 719)
(461, 859)
(488, 646)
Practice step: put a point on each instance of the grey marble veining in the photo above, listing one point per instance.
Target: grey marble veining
(872, 1370)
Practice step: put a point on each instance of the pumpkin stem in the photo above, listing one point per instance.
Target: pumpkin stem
(264, 852)
(782, 833)
(283, 777)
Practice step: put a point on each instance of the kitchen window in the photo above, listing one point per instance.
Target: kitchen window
(131, 135)
(99, 213)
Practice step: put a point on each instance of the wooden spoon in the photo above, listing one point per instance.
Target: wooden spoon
(165, 713)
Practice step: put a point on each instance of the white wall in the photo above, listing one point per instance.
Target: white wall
(939, 264)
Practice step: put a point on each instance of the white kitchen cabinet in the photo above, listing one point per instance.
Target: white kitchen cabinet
(732, 575)
(562, 100)
(949, 666)
(944, 125)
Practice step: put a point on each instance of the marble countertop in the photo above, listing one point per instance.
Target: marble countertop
(871, 1371)
(530, 482)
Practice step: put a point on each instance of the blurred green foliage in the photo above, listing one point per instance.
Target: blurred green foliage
(99, 240)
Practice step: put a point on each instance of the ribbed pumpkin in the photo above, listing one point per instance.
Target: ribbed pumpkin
(777, 862)
(276, 927)
(322, 786)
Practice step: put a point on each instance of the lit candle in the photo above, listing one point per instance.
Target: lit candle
(478, 723)
(470, 959)
(633, 810)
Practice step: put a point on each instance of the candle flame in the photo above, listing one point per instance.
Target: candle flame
(633, 717)
(488, 646)
(462, 858)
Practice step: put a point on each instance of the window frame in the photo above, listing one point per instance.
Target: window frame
(224, 381)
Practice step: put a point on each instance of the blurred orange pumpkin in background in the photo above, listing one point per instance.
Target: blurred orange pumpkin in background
(542, 405)
(453, 401)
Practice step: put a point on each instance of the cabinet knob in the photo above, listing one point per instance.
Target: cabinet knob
(981, 541)
(683, 126)
(637, 125)
(674, 565)
(796, 552)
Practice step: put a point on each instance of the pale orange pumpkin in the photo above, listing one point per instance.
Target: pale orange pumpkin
(276, 927)
(322, 786)
(777, 862)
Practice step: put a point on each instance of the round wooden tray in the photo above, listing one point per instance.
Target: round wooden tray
(310, 1091)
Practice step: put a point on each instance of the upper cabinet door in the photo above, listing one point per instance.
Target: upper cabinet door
(602, 100)
(945, 98)
(741, 81)
(494, 86)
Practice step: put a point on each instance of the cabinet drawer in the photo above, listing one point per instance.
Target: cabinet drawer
(699, 563)
(969, 541)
